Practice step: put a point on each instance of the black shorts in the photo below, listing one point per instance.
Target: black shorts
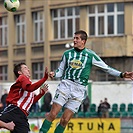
(14, 113)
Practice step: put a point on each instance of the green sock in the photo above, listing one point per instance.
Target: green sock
(45, 126)
(59, 129)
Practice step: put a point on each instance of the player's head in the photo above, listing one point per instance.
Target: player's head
(83, 34)
(80, 39)
(20, 69)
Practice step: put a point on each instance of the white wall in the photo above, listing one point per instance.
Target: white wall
(116, 92)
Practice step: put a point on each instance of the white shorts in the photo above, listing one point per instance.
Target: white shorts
(70, 95)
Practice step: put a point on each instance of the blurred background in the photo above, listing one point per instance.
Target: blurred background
(41, 30)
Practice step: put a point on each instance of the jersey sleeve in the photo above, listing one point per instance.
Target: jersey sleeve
(37, 97)
(26, 83)
(97, 61)
(59, 72)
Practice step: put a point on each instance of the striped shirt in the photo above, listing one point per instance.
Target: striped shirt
(76, 65)
(19, 96)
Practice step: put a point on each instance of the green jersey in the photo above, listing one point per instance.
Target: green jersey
(76, 65)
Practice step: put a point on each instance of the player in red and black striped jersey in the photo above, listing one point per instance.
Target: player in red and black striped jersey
(21, 97)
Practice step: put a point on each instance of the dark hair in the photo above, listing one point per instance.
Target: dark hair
(17, 67)
(82, 33)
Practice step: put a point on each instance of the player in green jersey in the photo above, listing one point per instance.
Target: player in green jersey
(75, 68)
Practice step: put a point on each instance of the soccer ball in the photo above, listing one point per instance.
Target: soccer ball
(11, 5)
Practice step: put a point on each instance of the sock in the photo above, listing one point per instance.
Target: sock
(59, 129)
(45, 126)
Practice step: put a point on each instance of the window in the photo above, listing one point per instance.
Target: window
(106, 19)
(37, 70)
(38, 26)
(65, 22)
(3, 31)
(3, 73)
(20, 28)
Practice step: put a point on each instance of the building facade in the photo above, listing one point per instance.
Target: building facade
(41, 30)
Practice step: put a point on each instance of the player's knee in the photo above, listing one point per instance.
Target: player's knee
(64, 121)
(52, 115)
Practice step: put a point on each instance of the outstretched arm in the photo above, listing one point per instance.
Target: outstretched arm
(97, 61)
(34, 86)
(10, 125)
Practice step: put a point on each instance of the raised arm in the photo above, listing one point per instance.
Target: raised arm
(34, 86)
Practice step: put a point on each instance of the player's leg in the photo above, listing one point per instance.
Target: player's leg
(67, 115)
(59, 100)
(20, 120)
(77, 95)
(72, 107)
(13, 113)
(50, 117)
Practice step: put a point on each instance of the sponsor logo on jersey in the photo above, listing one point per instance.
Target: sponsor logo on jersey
(76, 64)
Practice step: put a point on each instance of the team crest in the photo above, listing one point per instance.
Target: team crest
(76, 64)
